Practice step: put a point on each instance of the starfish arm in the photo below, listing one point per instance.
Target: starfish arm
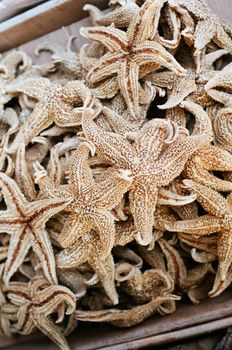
(20, 242)
(17, 292)
(47, 326)
(203, 123)
(143, 199)
(124, 232)
(22, 174)
(223, 127)
(212, 201)
(167, 197)
(48, 300)
(25, 324)
(224, 253)
(81, 178)
(172, 161)
(204, 32)
(211, 57)
(129, 85)
(114, 39)
(73, 256)
(222, 39)
(75, 226)
(125, 318)
(145, 23)
(203, 225)
(105, 272)
(43, 249)
(35, 88)
(108, 66)
(182, 87)
(9, 221)
(153, 52)
(111, 147)
(109, 191)
(107, 89)
(14, 198)
(119, 124)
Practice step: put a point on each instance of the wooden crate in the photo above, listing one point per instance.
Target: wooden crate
(55, 21)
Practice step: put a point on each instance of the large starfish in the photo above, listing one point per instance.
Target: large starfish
(56, 103)
(155, 157)
(92, 200)
(25, 222)
(217, 221)
(209, 26)
(37, 301)
(131, 55)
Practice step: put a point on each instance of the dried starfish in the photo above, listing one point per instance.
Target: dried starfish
(25, 222)
(37, 301)
(217, 221)
(208, 25)
(57, 104)
(156, 156)
(130, 55)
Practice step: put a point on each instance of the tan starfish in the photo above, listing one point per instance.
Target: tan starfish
(130, 55)
(56, 103)
(25, 222)
(217, 221)
(37, 301)
(208, 27)
(155, 157)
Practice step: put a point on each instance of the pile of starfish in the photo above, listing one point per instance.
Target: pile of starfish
(116, 170)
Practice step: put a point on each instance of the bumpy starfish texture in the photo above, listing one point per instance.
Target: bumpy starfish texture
(25, 222)
(216, 221)
(130, 55)
(155, 157)
(56, 104)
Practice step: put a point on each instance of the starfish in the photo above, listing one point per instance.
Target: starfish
(56, 103)
(131, 55)
(125, 318)
(12, 61)
(155, 158)
(25, 222)
(37, 301)
(218, 220)
(92, 201)
(208, 27)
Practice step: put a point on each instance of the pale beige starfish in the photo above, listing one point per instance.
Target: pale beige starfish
(130, 55)
(25, 222)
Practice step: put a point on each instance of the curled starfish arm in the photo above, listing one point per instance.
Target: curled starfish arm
(224, 253)
(212, 201)
(35, 88)
(14, 198)
(114, 39)
(20, 243)
(119, 124)
(73, 256)
(125, 318)
(110, 146)
(223, 127)
(181, 88)
(17, 292)
(203, 123)
(172, 161)
(222, 39)
(143, 200)
(169, 198)
(203, 225)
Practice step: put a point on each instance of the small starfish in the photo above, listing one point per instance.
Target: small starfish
(130, 55)
(25, 222)
(56, 103)
(12, 61)
(37, 301)
(156, 156)
(209, 26)
(125, 318)
(217, 221)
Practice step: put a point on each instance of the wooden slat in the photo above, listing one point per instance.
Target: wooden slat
(40, 20)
